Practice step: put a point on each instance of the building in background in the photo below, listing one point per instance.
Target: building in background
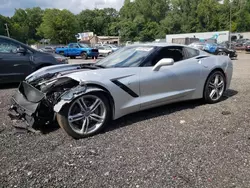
(219, 36)
(92, 39)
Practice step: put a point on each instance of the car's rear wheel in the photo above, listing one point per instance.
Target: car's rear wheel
(85, 116)
(84, 55)
(61, 53)
(214, 87)
(222, 53)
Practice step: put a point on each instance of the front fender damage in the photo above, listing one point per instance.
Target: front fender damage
(36, 107)
(72, 94)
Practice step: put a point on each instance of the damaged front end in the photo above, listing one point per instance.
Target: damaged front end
(32, 105)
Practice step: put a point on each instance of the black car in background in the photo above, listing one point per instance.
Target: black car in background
(224, 49)
(216, 49)
(18, 60)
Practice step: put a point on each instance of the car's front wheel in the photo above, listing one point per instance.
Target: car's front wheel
(85, 116)
(214, 87)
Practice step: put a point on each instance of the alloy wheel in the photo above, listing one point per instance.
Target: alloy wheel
(87, 114)
(216, 87)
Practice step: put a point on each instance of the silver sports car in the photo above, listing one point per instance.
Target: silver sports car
(83, 98)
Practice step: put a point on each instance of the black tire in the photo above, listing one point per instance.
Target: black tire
(72, 57)
(207, 88)
(84, 55)
(62, 117)
(61, 53)
(222, 53)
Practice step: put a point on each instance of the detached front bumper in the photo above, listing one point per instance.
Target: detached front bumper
(27, 105)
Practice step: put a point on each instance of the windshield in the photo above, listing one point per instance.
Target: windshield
(130, 56)
(84, 45)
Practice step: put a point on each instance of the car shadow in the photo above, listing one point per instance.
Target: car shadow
(161, 111)
(9, 86)
(46, 129)
(145, 114)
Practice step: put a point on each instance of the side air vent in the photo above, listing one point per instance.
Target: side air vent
(202, 57)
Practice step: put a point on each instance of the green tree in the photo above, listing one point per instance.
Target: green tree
(59, 25)
(25, 22)
(98, 21)
(3, 21)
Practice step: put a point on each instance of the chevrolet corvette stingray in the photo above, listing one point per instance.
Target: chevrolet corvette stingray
(83, 98)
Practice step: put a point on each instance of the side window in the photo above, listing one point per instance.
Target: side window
(190, 52)
(71, 46)
(7, 46)
(174, 52)
(75, 46)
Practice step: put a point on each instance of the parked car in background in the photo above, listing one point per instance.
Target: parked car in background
(198, 45)
(214, 48)
(247, 46)
(18, 60)
(48, 49)
(104, 50)
(112, 46)
(77, 49)
(217, 49)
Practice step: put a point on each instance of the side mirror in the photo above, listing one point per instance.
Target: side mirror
(163, 62)
(20, 51)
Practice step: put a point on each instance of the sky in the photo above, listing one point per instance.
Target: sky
(7, 7)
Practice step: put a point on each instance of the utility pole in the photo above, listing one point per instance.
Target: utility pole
(230, 29)
(7, 29)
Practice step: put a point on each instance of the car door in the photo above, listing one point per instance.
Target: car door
(76, 50)
(170, 83)
(14, 67)
(71, 50)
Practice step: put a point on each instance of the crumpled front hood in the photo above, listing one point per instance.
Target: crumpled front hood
(54, 70)
(82, 73)
(104, 76)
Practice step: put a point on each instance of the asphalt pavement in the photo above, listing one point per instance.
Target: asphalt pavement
(186, 145)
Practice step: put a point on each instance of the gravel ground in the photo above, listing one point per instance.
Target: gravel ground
(187, 144)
